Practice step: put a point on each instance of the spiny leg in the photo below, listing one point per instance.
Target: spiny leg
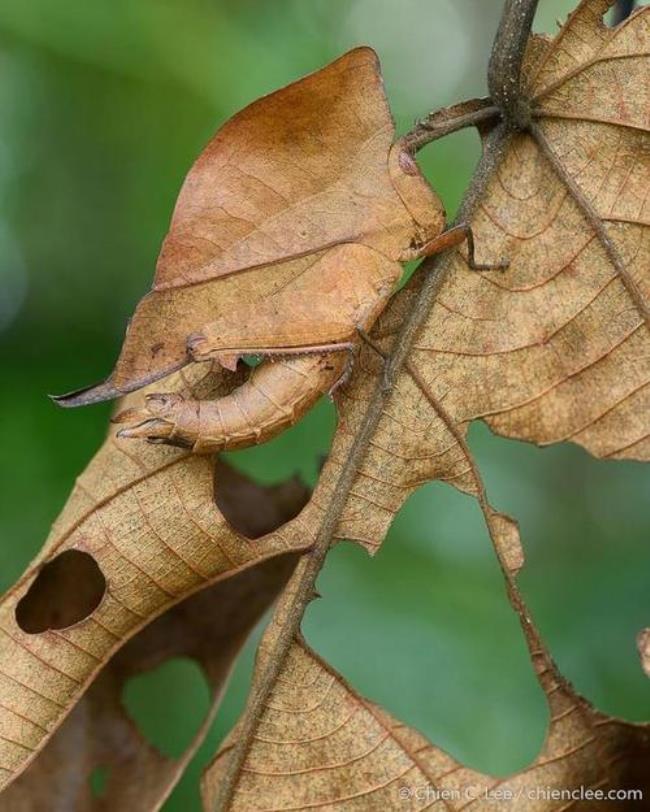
(351, 353)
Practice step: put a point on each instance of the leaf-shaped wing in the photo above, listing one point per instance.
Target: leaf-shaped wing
(301, 173)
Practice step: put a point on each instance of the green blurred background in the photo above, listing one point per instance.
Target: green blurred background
(105, 105)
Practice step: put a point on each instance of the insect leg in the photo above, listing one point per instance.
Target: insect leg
(352, 350)
(365, 337)
(455, 236)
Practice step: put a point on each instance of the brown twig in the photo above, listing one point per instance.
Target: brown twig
(504, 70)
(436, 125)
(301, 587)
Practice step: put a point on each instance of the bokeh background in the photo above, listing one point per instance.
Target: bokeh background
(104, 107)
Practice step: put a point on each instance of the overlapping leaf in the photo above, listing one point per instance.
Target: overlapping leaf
(554, 349)
(209, 627)
(147, 519)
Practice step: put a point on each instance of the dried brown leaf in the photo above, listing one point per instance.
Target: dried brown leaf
(555, 348)
(321, 745)
(209, 627)
(147, 518)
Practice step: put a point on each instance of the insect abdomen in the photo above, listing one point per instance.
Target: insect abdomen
(276, 395)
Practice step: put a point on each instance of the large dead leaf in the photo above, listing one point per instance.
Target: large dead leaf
(556, 348)
(321, 745)
(318, 744)
(210, 627)
(287, 233)
(140, 532)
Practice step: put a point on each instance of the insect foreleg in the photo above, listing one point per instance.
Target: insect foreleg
(200, 350)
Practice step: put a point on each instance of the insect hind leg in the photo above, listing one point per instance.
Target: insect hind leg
(454, 236)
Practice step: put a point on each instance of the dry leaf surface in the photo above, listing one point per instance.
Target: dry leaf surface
(147, 519)
(555, 348)
(209, 627)
(321, 745)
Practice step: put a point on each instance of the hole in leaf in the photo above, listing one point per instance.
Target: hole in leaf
(252, 509)
(584, 526)
(186, 794)
(298, 450)
(168, 704)
(430, 635)
(621, 12)
(66, 591)
(99, 780)
(277, 471)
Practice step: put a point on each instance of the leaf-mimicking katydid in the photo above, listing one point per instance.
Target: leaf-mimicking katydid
(286, 240)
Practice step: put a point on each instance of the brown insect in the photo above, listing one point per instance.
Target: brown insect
(286, 240)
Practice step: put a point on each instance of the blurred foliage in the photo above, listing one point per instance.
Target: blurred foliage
(105, 105)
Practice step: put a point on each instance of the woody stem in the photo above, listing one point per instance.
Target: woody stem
(470, 113)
